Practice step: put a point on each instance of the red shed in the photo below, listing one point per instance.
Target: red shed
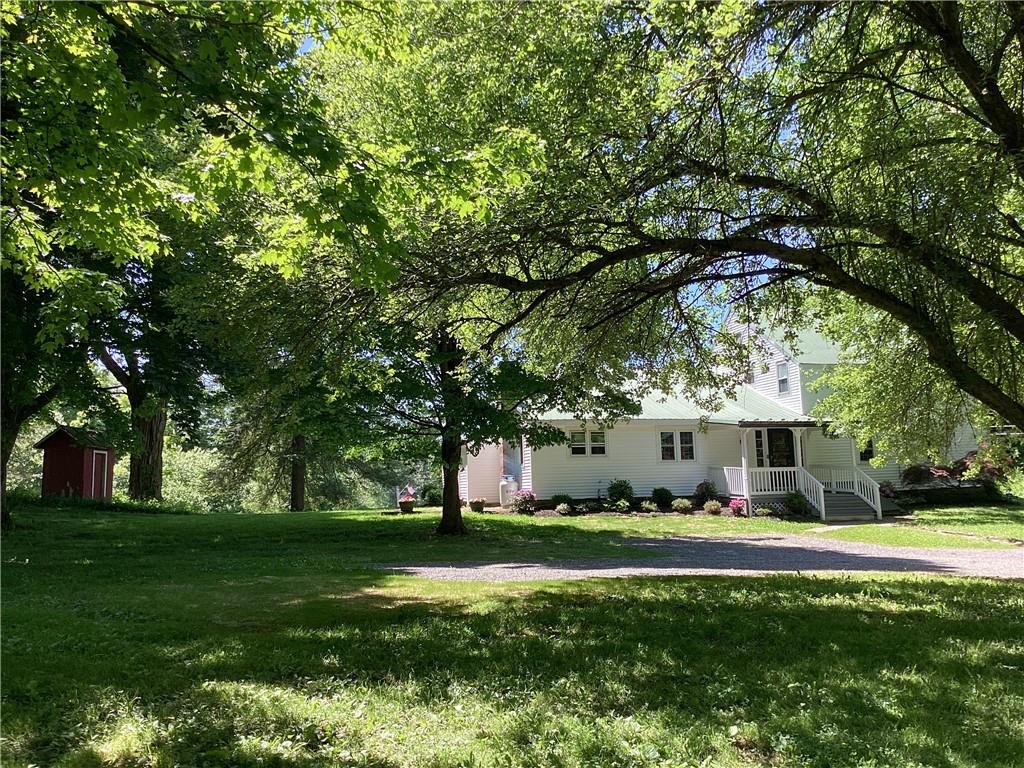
(77, 462)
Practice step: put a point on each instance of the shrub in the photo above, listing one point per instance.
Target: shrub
(681, 505)
(704, 492)
(620, 490)
(477, 504)
(887, 489)
(763, 512)
(558, 499)
(648, 506)
(738, 506)
(563, 509)
(662, 497)
(713, 506)
(620, 506)
(524, 502)
(430, 493)
(590, 507)
(797, 504)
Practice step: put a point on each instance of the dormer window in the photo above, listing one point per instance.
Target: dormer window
(782, 373)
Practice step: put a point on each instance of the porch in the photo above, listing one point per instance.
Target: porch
(776, 466)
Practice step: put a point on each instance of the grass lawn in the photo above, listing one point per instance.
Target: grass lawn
(1002, 521)
(160, 640)
(908, 535)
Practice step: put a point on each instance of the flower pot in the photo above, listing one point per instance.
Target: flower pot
(476, 506)
(407, 506)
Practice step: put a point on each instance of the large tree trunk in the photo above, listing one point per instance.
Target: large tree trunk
(451, 510)
(8, 436)
(146, 472)
(297, 502)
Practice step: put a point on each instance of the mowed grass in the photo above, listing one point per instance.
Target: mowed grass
(998, 521)
(908, 535)
(153, 640)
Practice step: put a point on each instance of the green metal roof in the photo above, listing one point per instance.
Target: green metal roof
(748, 406)
(808, 346)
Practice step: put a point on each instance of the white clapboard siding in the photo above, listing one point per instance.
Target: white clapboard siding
(632, 454)
(526, 479)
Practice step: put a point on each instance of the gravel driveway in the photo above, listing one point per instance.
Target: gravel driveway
(753, 555)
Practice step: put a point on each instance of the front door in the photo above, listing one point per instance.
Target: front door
(780, 448)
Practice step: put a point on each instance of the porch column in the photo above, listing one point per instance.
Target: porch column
(797, 449)
(743, 465)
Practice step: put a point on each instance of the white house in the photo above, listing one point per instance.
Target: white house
(757, 447)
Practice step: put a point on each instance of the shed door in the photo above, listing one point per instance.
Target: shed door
(98, 489)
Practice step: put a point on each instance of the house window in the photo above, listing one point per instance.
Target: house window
(668, 446)
(687, 449)
(597, 443)
(759, 447)
(578, 443)
(782, 372)
(749, 378)
(869, 452)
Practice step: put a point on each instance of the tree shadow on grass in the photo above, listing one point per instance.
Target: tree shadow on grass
(224, 644)
(818, 671)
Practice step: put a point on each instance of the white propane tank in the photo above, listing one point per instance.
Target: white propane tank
(506, 490)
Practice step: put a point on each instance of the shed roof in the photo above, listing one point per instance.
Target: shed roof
(746, 409)
(85, 438)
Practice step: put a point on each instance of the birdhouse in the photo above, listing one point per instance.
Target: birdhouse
(77, 463)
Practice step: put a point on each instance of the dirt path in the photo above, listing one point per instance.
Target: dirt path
(744, 555)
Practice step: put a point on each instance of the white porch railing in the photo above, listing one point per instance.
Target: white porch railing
(868, 489)
(776, 481)
(734, 481)
(835, 479)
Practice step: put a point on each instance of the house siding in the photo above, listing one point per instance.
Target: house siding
(633, 454)
(483, 474)
(763, 367)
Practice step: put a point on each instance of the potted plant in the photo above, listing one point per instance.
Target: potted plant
(477, 504)
(406, 502)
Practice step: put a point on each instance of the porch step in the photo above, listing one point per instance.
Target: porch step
(846, 506)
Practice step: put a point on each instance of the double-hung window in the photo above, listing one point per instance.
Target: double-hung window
(677, 444)
(580, 445)
(782, 373)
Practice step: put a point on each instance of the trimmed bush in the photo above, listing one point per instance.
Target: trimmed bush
(704, 492)
(648, 506)
(523, 502)
(590, 507)
(558, 499)
(797, 504)
(887, 489)
(620, 506)
(681, 505)
(763, 512)
(662, 497)
(620, 490)
(477, 505)
(713, 507)
(430, 493)
(563, 509)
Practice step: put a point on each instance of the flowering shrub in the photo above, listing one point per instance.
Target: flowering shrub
(763, 512)
(620, 506)
(524, 502)
(648, 506)
(681, 505)
(590, 507)
(887, 489)
(713, 506)
(563, 509)
(738, 506)
(477, 504)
